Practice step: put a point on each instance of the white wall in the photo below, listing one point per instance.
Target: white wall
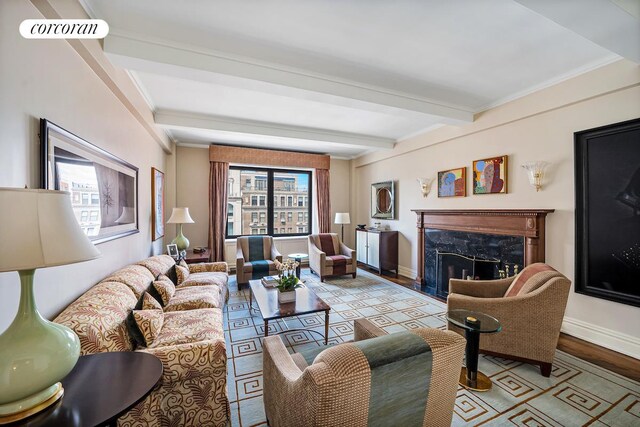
(537, 127)
(47, 78)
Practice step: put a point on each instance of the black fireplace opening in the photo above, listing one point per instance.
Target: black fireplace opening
(464, 255)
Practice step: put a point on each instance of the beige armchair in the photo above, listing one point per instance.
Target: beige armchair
(256, 258)
(530, 307)
(328, 256)
(406, 378)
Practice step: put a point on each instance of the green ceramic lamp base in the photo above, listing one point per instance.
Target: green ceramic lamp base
(37, 354)
(181, 241)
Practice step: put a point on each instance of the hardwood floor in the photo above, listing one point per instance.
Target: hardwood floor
(603, 357)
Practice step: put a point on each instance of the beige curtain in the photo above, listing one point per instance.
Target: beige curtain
(324, 205)
(218, 187)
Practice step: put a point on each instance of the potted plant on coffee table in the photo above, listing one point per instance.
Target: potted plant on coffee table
(287, 281)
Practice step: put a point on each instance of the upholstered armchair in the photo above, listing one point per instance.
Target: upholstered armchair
(256, 258)
(328, 256)
(403, 379)
(530, 307)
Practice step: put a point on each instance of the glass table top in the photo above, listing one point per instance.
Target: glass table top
(298, 255)
(474, 321)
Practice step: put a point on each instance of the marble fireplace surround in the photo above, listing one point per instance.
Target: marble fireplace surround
(527, 223)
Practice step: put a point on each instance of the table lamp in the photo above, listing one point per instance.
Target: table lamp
(343, 218)
(38, 229)
(180, 216)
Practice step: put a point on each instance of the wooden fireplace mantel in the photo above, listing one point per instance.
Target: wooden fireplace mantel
(528, 223)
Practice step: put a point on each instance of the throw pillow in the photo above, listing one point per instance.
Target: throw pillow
(521, 285)
(165, 288)
(150, 303)
(149, 323)
(182, 271)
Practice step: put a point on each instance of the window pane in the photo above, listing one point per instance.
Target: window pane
(247, 202)
(291, 188)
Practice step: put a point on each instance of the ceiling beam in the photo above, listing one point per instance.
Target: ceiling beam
(160, 57)
(609, 24)
(180, 120)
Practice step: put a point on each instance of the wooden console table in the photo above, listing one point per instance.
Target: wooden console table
(193, 258)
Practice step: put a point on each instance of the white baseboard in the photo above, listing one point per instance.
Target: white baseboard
(616, 341)
(407, 272)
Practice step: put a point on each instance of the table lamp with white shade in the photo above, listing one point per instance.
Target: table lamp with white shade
(180, 216)
(38, 229)
(343, 218)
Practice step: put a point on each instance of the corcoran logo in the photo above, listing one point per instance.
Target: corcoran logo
(64, 29)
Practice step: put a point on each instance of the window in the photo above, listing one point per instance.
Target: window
(271, 213)
(85, 198)
(84, 215)
(94, 215)
(95, 199)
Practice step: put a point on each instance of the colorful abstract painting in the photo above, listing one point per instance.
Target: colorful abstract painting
(452, 183)
(490, 175)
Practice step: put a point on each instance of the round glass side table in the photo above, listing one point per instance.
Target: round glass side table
(474, 324)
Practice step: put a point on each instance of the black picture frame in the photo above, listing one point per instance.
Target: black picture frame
(114, 195)
(607, 214)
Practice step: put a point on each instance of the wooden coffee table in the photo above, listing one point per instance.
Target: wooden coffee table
(306, 302)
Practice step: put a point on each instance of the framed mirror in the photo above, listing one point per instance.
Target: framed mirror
(383, 200)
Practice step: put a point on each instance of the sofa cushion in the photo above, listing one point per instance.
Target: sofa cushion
(136, 277)
(165, 288)
(248, 267)
(182, 327)
(206, 279)
(99, 316)
(531, 278)
(157, 265)
(150, 303)
(194, 297)
(338, 260)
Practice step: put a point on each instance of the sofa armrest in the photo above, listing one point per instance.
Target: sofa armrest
(364, 329)
(187, 361)
(210, 267)
(480, 288)
(317, 258)
(275, 255)
(347, 251)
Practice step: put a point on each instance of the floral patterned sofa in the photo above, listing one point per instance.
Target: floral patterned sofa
(190, 342)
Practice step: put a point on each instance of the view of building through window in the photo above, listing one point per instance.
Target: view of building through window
(82, 183)
(254, 193)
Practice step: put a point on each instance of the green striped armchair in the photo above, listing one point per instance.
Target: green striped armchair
(403, 379)
(256, 258)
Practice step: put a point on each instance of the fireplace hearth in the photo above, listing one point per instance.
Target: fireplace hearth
(476, 244)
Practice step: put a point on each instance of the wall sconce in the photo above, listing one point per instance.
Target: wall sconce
(535, 172)
(425, 185)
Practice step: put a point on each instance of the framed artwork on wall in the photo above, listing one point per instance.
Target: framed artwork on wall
(490, 175)
(157, 203)
(103, 187)
(452, 183)
(607, 168)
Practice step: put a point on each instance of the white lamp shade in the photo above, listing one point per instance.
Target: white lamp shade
(343, 218)
(180, 216)
(39, 229)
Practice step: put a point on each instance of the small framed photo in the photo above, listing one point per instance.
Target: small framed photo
(172, 250)
(490, 175)
(452, 183)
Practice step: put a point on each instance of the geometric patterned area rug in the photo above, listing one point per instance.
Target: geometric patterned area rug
(577, 393)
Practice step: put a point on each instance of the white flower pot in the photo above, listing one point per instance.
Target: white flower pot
(284, 297)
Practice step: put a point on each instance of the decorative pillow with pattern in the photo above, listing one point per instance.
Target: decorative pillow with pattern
(165, 288)
(182, 271)
(150, 303)
(150, 323)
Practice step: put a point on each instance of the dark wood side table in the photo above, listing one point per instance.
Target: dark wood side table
(99, 389)
(194, 258)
